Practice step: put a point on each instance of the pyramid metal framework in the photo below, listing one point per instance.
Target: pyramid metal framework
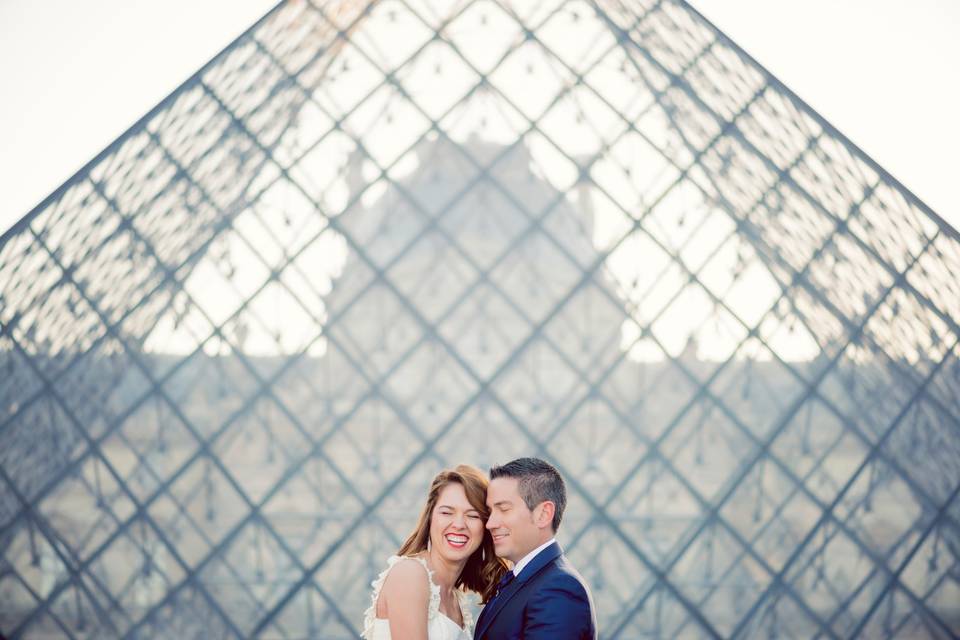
(372, 240)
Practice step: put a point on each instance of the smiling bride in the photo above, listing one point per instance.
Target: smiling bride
(421, 594)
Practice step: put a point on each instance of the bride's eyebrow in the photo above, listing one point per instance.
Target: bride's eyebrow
(446, 506)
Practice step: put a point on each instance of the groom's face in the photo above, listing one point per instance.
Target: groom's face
(511, 523)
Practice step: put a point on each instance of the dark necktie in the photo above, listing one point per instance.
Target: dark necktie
(505, 579)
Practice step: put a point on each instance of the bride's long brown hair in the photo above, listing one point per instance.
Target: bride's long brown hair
(483, 569)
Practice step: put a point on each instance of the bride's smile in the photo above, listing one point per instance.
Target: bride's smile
(456, 540)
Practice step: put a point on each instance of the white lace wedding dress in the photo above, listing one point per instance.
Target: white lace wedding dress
(439, 626)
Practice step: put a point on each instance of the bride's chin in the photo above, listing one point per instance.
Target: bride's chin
(453, 552)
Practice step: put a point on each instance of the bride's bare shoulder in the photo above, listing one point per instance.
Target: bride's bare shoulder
(407, 582)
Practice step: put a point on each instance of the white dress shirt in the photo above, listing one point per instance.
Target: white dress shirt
(525, 560)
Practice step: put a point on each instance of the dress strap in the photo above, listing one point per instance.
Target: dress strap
(370, 615)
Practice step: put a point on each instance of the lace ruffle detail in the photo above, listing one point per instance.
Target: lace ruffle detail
(370, 615)
(465, 610)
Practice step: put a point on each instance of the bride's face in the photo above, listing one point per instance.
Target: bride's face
(456, 527)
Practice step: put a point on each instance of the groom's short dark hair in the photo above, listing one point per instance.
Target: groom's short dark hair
(538, 481)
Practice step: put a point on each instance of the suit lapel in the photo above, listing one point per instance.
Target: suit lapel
(536, 565)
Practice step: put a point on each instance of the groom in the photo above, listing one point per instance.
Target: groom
(543, 597)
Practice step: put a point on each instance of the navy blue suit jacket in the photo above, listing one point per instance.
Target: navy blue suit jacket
(547, 601)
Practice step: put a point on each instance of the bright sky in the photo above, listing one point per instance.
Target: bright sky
(76, 74)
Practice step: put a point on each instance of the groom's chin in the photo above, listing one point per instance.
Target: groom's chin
(501, 550)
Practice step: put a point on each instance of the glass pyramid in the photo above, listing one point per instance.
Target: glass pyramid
(371, 240)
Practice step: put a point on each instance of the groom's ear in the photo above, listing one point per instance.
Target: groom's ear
(544, 515)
